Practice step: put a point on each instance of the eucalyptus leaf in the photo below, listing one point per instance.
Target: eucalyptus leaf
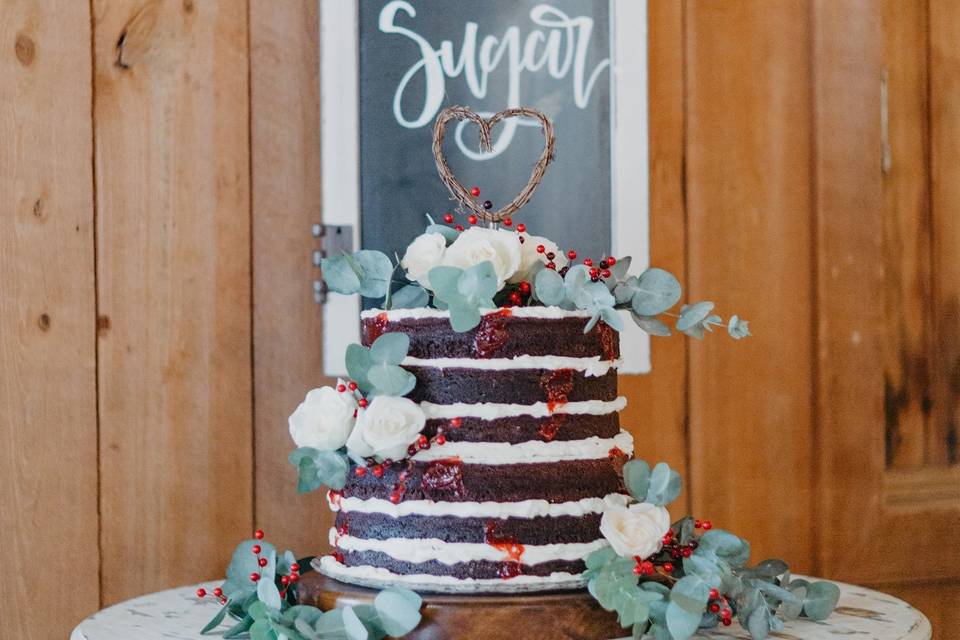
(656, 291)
(411, 296)
(339, 275)
(821, 599)
(548, 287)
(612, 318)
(792, 610)
(390, 380)
(449, 233)
(354, 628)
(592, 322)
(636, 477)
(665, 485)
(397, 612)
(376, 271)
(268, 594)
(444, 280)
(358, 362)
(464, 317)
(479, 283)
(758, 623)
(240, 628)
(215, 621)
(682, 623)
(390, 348)
(652, 325)
(619, 271)
(691, 594)
(692, 315)
(238, 585)
(738, 328)
(600, 557)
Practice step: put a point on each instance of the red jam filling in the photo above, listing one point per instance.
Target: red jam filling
(492, 334)
(444, 475)
(375, 328)
(557, 385)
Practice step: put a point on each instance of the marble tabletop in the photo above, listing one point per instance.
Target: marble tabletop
(178, 614)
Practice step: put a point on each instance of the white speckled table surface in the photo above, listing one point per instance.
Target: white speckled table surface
(178, 614)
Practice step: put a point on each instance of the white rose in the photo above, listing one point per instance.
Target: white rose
(423, 254)
(476, 245)
(386, 428)
(529, 257)
(324, 419)
(636, 530)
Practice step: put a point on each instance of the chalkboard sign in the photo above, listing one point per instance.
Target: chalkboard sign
(388, 67)
(419, 56)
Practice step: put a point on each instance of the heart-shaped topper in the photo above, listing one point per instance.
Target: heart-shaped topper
(459, 192)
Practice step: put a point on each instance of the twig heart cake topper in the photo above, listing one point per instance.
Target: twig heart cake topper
(459, 192)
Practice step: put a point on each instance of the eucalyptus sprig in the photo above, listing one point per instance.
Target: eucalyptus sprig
(464, 292)
(259, 594)
(647, 296)
(684, 595)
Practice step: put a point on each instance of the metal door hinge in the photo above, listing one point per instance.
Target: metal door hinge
(334, 240)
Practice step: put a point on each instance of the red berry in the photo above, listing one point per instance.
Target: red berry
(472, 219)
(456, 422)
(475, 191)
(295, 567)
(726, 622)
(541, 248)
(551, 265)
(378, 470)
(258, 534)
(218, 592)
(594, 272)
(458, 227)
(487, 204)
(256, 549)
(521, 227)
(687, 552)
(395, 497)
(604, 264)
(201, 592)
(697, 524)
(223, 600)
(638, 570)
(262, 562)
(294, 577)
(363, 403)
(611, 261)
(341, 388)
(440, 440)
(707, 525)
(675, 554)
(515, 298)
(668, 567)
(714, 594)
(448, 218)
(507, 222)
(411, 451)
(606, 273)
(588, 262)
(284, 580)
(551, 255)
(525, 288)
(360, 471)
(422, 441)
(714, 607)
(352, 385)
(254, 577)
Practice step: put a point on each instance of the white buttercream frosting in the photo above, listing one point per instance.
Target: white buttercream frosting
(426, 549)
(380, 577)
(549, 313)
(493, 410)
(591, 448)
(590, 366)
(521, 509)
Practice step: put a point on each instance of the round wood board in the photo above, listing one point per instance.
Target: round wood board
(563, 614)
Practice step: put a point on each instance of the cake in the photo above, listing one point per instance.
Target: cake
(526, 412)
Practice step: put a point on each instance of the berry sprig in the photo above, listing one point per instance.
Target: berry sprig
(257, 550)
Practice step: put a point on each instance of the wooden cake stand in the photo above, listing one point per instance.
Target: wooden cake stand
(563, 614)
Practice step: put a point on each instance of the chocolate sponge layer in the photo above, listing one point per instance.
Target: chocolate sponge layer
(563, 481)
(515, 386)
(501, 337)
(518, 429)
(539, 530)
(480, 569)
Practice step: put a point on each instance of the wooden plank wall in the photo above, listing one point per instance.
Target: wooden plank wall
(159, 167)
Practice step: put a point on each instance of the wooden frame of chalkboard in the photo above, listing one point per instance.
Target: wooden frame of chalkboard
(343, 125)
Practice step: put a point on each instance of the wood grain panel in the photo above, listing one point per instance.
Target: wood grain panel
(48, 425)
(173, 270)
(937, 600)
(749, 233)
(656, 412)
(285, 139)
(942, 445)
(855, 511)
(906, 233)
